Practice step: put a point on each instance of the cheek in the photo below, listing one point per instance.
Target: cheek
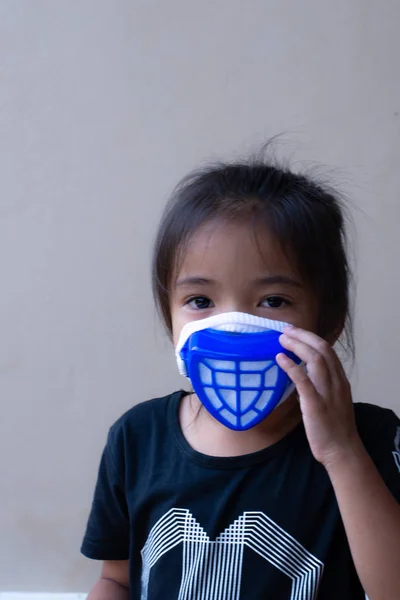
(310, 320)
(179, 318)
(306, 317)
(177, 321)
(175, 335)
(303, 323)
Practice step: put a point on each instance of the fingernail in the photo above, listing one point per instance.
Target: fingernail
(289, 327)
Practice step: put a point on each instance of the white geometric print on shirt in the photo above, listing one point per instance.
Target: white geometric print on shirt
(212, 570)
(396, 451)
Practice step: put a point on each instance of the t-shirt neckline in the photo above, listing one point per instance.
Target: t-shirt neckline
(226, 462)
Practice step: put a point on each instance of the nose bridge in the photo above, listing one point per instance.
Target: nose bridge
(236, 301)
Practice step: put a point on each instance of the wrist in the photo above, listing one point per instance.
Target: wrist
(346, 457)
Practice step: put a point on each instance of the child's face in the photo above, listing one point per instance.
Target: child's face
(235, 267)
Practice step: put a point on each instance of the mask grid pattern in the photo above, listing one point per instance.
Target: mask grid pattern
(238, 390)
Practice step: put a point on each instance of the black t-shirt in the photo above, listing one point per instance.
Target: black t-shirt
(195, 527)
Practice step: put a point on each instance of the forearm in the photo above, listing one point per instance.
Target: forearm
(371, 518)
(105, 589)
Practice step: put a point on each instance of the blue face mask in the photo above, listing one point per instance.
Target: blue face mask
(230, 361)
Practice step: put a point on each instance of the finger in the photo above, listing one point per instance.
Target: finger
(311, 339)
(297, 374)
(314, 360)
(319, 345)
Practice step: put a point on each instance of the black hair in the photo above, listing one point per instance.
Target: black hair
(307, 217)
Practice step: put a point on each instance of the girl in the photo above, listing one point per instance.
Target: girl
(294, 495)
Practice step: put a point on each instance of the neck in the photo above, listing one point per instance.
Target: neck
(208, 436)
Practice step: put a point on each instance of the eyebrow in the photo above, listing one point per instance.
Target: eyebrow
(194, 281)
(285, 279)
(271, 280)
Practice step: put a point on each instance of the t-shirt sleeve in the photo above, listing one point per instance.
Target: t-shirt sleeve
(107, 532)
(384, 448)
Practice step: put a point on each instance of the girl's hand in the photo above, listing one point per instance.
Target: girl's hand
(324, 394)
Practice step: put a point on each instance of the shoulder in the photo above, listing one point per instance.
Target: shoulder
(374, 423)
(379, 430)
(368, 414)
(364, 410)
(144, 414)
(140, 423)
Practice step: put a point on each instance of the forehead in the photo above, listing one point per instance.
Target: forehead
(223, 248)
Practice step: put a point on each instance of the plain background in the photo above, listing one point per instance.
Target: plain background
(104, 105)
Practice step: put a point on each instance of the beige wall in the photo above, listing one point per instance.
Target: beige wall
(104, 104)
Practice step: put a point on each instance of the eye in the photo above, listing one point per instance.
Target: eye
(274, 302)
(199, 302)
